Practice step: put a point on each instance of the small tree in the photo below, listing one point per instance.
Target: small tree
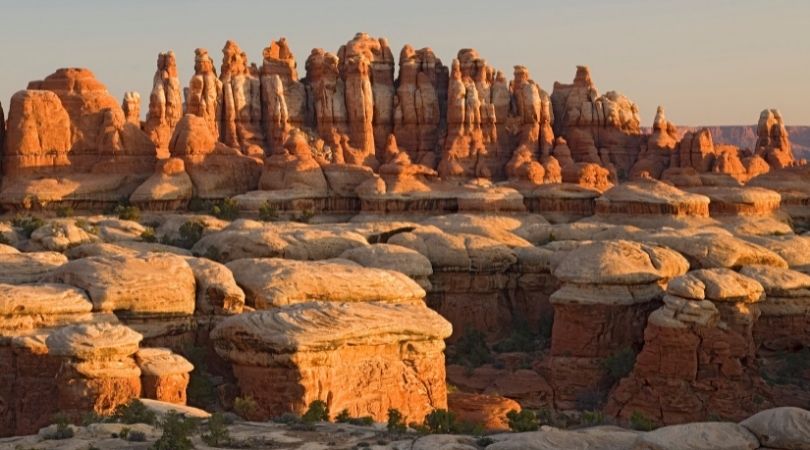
(134, 412)
(396, 422)
(522, 421)
(177, 431)
(128, 212)
(318, 411)
(440, 421)
(268, 212)
(640, 422)
(217, 435)
(226, 209)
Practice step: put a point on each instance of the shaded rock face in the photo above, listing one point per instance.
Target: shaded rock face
(702, 336)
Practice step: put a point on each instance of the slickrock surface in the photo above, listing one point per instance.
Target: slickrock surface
(393, 257)
(651, 197)
(275, 282)
(29, 307)
(375, 356)
(19, 268)
(786, 427)
(694, 436)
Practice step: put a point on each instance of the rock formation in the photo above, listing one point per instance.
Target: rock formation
(784, 323)
(376, 356)
(773, 144)
(241, 116)
(204, 97)
(701, 337)
(131, 105)
(604, 130)
(609, 288)
(165, 102)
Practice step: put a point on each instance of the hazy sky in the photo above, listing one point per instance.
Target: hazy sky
(709, 62)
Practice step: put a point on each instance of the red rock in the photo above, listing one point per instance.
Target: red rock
(773, 143)
(164, 375)
(131, 105)
(489, 411)
(241, 117)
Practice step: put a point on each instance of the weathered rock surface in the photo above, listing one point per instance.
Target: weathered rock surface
(784, 428)
(694, 436)
(19, 268)
(375, 356)
(393, 257)
(274, 282)
(488, 411)
(164, 375)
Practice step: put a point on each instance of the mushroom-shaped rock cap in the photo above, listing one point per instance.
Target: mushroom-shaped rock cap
(249, 337)
(717, 285)
(391, 257)
(161, 361)
(270, 282)
(654, 192)
(47, 298)
(103, 341)
(620, 262)
(779, 282)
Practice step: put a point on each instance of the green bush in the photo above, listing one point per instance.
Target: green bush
(190, 232)
(619, 364)
(591, 418)
(344, 417)
(440, 421)
(127, 212)
(226, 209)
(177, 431)
(396, 422)
(268, 212)
(246, 407)
(27, 224)
(136, 436)
(287, 419)
(640, 422)
(318, 411)
(148, 235)
(63, 429)
(64, 211)
(217, 435)
(134, 412)
(86, 226)
(522, 339)
(471, 350)
(522, 421)
(305, 216)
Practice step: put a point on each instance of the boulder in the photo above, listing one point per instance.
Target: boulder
(696, 436)
(783, 428)
(784, 323)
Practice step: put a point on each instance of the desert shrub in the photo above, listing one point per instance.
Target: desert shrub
(190, 232)
(27, 224)
(305, 216)
(63, 429)
(522, 421)
(592, 418)
(92, 417)
(4, 240)
(287, 419)
(177, 431)
(640, 422)
(217, 435)
(268, 212)
(484, 441)
(396, 422)
(471, 350)
(127, 212)
(246, 407)
(318, 411)
(226, 209)
(344, 417)
(136, 436)
(64, 211)
(440, 421)
(522, 339)
(200, 392)
(196, 204)
(148, 235)
(86, 226)
(619, 364)
(134, 412)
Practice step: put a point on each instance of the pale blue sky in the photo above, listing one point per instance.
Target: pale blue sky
(710, 62)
